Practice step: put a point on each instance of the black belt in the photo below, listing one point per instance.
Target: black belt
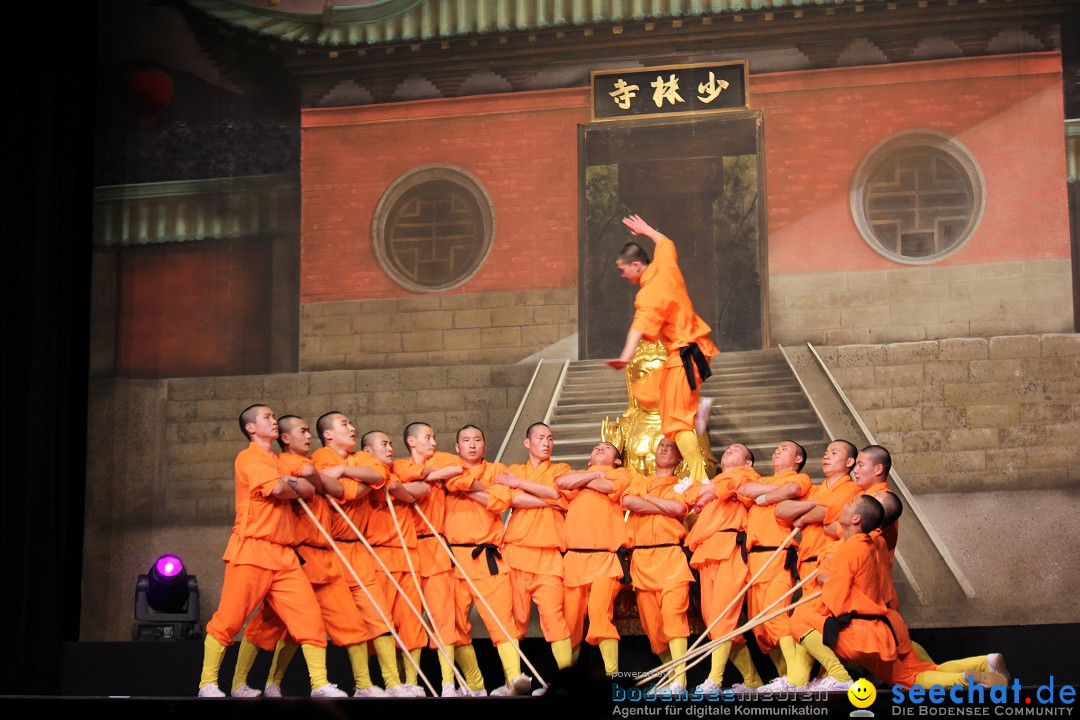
(650, 547)
(492, 553)
(810, 559)
(791, 564)
(340, 540)
(298, 555)
(691, 355)
(740, 540)
(833, 625)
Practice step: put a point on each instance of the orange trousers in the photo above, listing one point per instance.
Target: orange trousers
(287, 592)
(496, 591)
(547, 592)
(597, 600)
(663, 614)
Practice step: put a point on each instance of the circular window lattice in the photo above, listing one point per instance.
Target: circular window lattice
(918, 197)
(433, 228)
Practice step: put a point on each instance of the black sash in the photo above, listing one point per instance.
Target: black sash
(740, 540)
(833, 625)
(492, 553)
(691, 355)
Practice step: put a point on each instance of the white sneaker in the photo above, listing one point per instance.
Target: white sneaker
(701, 417)
(831, 684)
(373, 691)
(540, 691)
(501, 691)
(996, 661)
(272, 690)
(521, 685)
(416, 690)
(243, 690)
(399, 691)
(478, 693)
(779, 685)
(211, 690)
(707, 688)
(448, 690)
(741, 689)
(329, 690)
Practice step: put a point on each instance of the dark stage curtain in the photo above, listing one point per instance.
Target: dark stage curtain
(45, 211)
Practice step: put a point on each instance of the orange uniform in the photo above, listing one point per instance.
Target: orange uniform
(764, 533)
(533, 547)
(432, 561)
(718, 554)
(594, 531)
(475, 534)
(853, 587)
(358, 510)
(663, 311)
(259, 559)
(323, 569)
(382, 533)
(814, 539)
(658, 565)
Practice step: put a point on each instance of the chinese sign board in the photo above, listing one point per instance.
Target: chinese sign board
(670, 90)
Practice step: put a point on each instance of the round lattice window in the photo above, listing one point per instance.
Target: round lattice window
(918, 197)
(433, 228)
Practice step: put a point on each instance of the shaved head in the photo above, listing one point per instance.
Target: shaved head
(631, 252)
(891, 505)
(324, 423)
(879, 456)
(248, 416)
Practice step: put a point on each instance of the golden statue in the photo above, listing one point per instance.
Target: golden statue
(637, 432)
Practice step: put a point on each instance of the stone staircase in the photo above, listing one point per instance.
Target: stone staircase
(757, 401)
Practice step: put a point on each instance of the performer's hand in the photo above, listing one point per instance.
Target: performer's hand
(637, 226)
(507, 479)
(616, 364)
(762, 499)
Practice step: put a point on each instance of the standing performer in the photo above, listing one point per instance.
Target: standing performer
(663, 312)
(260, 562)
(718, 541)
(595, 531)
(658, 565)
(474, 531)
(534, 542)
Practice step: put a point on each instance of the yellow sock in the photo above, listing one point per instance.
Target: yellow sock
(511, 663)
(798, 669)
(719, 662)
(981, 663)
(213, 654)
(410, 668)
(315, 657)
(465, 657)
(446, 664)
(920, 652)
(564, 654)
(386, 652)
(677, 648)
(358, 658)
(744, 663)
(778, 659)
(944, 679)
(815, 645)
(245, 658)
(283, 655)
(609, 650)
(690, 447)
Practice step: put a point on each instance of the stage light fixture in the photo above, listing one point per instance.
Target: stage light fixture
(166, 603)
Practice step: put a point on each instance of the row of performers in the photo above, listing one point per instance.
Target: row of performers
(370, 550)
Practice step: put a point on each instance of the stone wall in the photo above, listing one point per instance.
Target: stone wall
(434, 330)
(159, 466)
(922, 303)
(971, 414)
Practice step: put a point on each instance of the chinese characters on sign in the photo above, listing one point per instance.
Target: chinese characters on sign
(618, 93)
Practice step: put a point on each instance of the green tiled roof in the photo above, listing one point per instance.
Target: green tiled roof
(404, 21)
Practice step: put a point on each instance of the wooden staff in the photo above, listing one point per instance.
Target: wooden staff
(344, 561)
(479, 596)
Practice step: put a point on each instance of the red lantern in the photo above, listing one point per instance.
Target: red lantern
(149, 91)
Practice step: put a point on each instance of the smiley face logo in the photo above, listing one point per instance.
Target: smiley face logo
(862, 693)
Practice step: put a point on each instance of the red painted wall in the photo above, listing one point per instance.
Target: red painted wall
(193, 308)
(522, 148)
(819, 125)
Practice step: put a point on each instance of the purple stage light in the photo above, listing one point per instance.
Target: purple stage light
(169, 566)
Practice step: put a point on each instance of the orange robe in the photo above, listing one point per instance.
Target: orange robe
(594, 531)
(717, 555)
(259, 559)
(358, 509)
(764, 533)
(663, 311)
(475, 534)
(343, 620)
(813, 538)
(433, 562)
(658, 565)
(853, 586)
(533, 549)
